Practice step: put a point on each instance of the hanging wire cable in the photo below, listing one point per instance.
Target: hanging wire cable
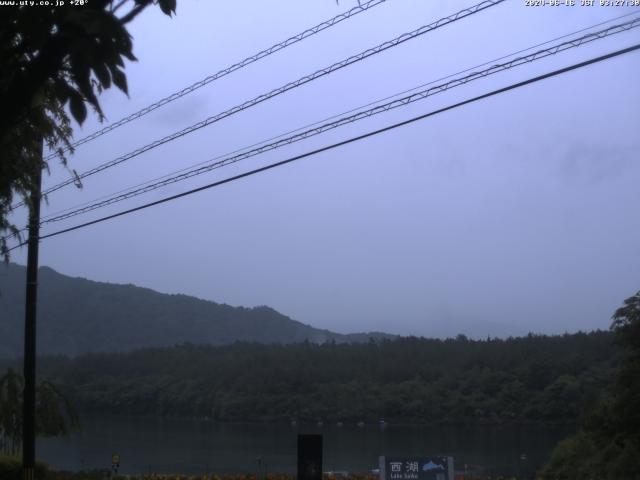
(278, 91)
(420, 95)
(226, 71)
(345, 142)
(148, 182)
(193, 170)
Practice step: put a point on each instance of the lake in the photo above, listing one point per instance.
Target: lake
(166, 445)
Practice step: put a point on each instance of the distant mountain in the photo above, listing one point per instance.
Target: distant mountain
(76, 316)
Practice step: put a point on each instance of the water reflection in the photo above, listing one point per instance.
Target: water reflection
(155, 445)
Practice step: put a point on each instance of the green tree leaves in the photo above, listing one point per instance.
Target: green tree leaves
(53, 58)
(409, 379)
(11, 386)
(77, 107)
(55, 416)
(167, 6)
(626, 324)
(119, 79)
(608, 445)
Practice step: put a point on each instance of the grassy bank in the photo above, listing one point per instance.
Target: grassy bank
(11, 469)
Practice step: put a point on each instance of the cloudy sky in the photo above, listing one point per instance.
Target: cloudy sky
(517, 213)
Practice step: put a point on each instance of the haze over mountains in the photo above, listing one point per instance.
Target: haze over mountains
(77, 316)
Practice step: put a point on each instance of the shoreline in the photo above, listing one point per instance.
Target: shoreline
(334, 424)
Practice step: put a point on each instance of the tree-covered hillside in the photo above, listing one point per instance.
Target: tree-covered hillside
(607, 446)
(77, 316)
(529, 379)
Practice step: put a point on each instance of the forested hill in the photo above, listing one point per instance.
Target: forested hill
(528, 379)
(76, 316)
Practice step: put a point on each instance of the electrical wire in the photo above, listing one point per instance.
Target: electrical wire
(345, 142)
(278, 91)
(319, 122)
(226, 71)
(192, 171)
(421, 95)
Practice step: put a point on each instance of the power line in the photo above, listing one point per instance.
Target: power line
(278, 91)
(421, 95)
(166, 179)
(148, 182)
(226, 71)
(348, 141)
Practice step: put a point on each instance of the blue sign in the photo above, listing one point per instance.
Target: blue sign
(416, 468)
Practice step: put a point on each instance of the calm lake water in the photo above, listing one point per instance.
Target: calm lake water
(155, 445)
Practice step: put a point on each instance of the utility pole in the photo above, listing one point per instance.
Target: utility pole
(29, 395)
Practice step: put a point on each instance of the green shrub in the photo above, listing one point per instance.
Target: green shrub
(11, 468)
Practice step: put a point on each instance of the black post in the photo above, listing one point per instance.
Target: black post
(309, 457)
(29, 399)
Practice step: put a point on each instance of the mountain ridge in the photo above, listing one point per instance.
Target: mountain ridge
(77, 315)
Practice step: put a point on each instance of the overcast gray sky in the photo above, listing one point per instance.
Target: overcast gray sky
(514, 214)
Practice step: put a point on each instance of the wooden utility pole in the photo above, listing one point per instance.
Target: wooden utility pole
(29, 395)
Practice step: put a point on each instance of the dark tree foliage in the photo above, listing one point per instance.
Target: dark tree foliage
(608, 444)
(529, 379)
(54, 57)
(55, 416)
